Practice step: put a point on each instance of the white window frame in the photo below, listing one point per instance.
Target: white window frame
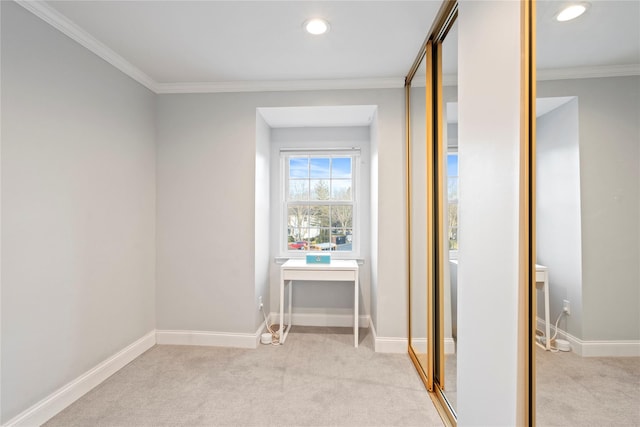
(354, 153)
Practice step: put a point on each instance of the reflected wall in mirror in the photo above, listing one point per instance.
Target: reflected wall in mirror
(417, 209)
(588, 214)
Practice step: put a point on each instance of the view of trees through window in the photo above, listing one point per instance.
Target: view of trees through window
(452, 195)
(320, 202)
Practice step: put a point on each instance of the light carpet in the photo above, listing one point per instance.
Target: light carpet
(587, 391)
(316, 379)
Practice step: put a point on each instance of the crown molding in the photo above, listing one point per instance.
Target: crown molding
(60, 22)
(570, 73)
(54, 18)
(588, 72)
(279, 86)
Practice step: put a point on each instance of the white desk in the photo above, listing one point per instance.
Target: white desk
(337, 270)
(542, 282)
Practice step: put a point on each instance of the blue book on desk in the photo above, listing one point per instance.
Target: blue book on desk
(318, 258)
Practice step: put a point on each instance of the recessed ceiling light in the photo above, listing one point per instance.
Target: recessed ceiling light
(316, 26)
(572, 12)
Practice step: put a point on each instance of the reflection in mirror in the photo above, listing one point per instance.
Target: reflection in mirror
(587, 215)
(449, 234)
(418, 216)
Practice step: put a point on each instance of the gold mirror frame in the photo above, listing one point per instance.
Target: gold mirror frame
(527, 286)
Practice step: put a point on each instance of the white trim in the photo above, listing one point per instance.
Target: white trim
(627, 348)
(208, 338)
(388, 344)
(281, 86)
(597, 348)
(588, 72)
(449, 346)
(421, 345)
(569, 73)
(323, 319)
(261, 328)
(51, 405)
(63, 24)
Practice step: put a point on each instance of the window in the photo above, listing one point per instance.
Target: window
(452, 197)
(319, 201)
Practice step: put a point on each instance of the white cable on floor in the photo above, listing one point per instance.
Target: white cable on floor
(555, 334)
(275, 336)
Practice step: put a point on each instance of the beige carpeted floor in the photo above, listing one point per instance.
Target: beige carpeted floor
(316, 379)
(587, 391)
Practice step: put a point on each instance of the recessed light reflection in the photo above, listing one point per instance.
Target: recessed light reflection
(571, 12)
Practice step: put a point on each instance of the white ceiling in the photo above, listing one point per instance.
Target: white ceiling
(244, 41)
(183, 46)
(607, 34)
(604, 41)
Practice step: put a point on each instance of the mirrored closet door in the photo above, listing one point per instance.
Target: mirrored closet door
(587, 163)
(432, 201)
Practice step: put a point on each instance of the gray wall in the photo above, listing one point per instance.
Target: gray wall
(78, 210)
(262, 214)
(558, 231)
(206, 207)
(609, 116)
(373, 226)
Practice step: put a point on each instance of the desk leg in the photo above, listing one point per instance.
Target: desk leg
(356, 313)
(547, 327)
(281, 330)
(290, 311)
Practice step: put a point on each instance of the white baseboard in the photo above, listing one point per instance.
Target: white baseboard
(420, 345)
(44, 410)
(610, 348)
(207, 338)
(599, 348)
(388, 344)
(262, 328)
(323, 319)
(449, 346)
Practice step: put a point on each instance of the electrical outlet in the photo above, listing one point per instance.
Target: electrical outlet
(566, 307)
(260, 305)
